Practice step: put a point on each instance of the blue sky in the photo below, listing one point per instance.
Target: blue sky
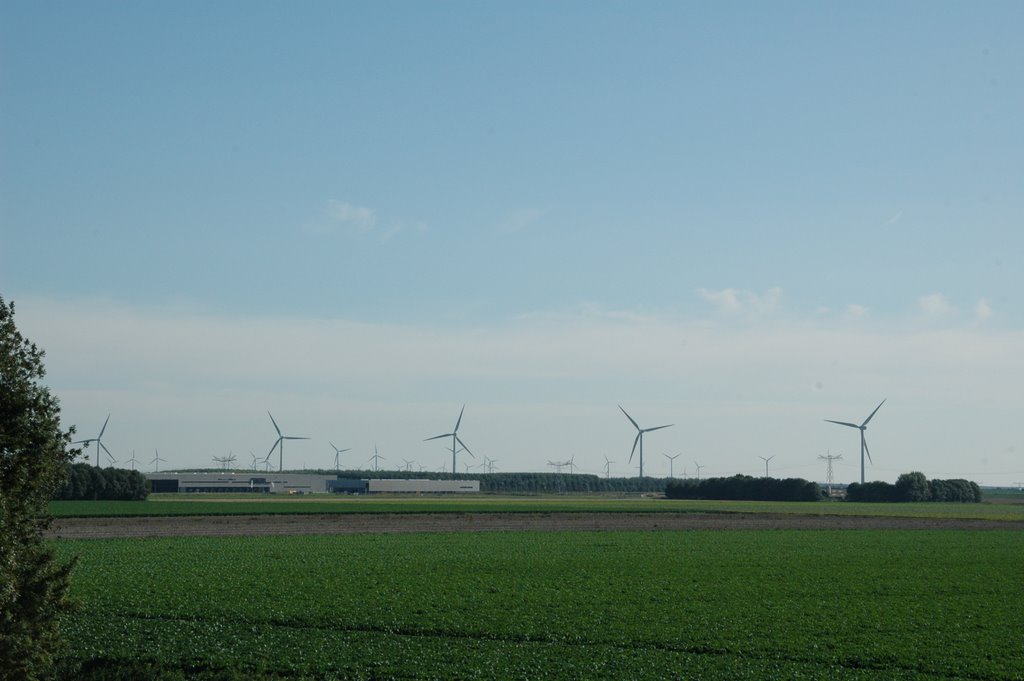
(736, 217)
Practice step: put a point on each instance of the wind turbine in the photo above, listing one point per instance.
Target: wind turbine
(640, 438)
(337, 456)
(766, 463)
(455, 440)
(671, 464)
(863, 442)
(699, 466)
(408, 464)
(98, 441)
(157, 460)
(607, 467)
(375, 459)
(280, 443)
(133, 460)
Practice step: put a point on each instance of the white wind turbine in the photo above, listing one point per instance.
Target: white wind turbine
(863, 442)
(279, 444)
(456, 441)
(766, 463)
(157, 460)
(671, 464)
(640, 438)
(607, 466)
(337, 455)
(98, 441)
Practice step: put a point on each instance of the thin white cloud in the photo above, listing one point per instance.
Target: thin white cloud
(730, 301)
(519, 220)
(934, 305)
(982, 309)
(855, 311)
(349, 215)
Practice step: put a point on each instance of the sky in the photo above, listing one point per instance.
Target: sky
(738, 218)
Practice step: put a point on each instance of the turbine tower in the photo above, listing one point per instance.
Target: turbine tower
(98, 441)
(456, 441)
(279, 445)
(766, 463)
(640, 438)
(863, 442)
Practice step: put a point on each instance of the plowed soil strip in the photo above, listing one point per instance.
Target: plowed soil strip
(370, 523)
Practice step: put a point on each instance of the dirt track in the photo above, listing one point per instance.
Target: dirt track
(364, 523)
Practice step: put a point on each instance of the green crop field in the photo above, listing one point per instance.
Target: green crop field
(169, 505)
(712, 605)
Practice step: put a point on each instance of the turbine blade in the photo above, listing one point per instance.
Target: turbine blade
(464, 446)
(635, 442)
(438, 437)
(274, 447)
(873, 413)
(292, 437)
(864, 442)
(104, 427)
(843, 423)
(274, 422)
(460, 419)
(105, 449)
(349, 449)
(629, 417)
(647, 430)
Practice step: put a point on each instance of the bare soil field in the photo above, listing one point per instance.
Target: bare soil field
(368, 523)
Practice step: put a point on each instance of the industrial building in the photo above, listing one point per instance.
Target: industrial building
(299, 483)
(396, 486)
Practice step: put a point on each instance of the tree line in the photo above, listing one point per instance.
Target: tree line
(745, 488)
(523, 483)
(915, 486)
(86, 482)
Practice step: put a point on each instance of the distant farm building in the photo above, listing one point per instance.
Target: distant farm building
(299, 483)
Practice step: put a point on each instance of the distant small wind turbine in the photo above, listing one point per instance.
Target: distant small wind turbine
(255, 460)
(279, 444)
(671, 462)
(98, 441)
(766, 463)
(157, 460)
(607, 466)
(408, 464)
(699, 466)
(863, 442)
(337, 455)
(455, 440)
(376, 459)
(640, 438)
(133, 460)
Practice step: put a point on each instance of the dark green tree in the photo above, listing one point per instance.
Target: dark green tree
(913, 487)
(33, 464)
